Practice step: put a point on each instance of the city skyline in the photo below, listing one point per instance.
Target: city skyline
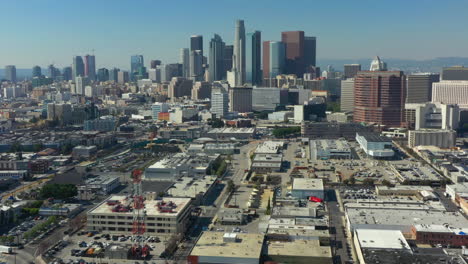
(114, 43)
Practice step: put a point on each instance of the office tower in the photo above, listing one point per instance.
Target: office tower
(277, 56)
(196, 65)
(350, 70)
(196, 43)
(103, 75)
(456, 73)
(52, 72)
(114, 74)
(14, 91)
(60, 112)
(140, 73)
(179, 87)
(266, 60)
(201, 90)
(216, 59)
(77, 67)
(347, 95)
(36, 71)
(240, 99)
(168, 71)
(253, 58)
(294, 45)
(451, 92)
(80, 84)
(435, 115)
(185, 61)
(67, 73)
(10, 73)
(378, 65)
(238, 58)
(310, 51)
(154, 63)
(122, 77)
(136, 61)
(155, 74)
(419, 87)
(90, 67)
(219, 101)
(268, 98)
(379, 97)
(228, 53)
(157, 108)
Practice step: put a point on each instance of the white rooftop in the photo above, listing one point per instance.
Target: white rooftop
(307, 184)
(388, 239)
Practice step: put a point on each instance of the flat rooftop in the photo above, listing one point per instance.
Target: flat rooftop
(212, 244)
(374, 137)
(299, 248)
(330, 145)
(390, 239)
(307, 184)
(176, 206)
(269, 147)
(191, 187)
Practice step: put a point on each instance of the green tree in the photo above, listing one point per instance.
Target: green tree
(368, 182)
(58, 191)
(281, 132)
(230, 186)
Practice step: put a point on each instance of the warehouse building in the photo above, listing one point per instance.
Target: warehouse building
(329, 149)
(374, 145)
(303, 188)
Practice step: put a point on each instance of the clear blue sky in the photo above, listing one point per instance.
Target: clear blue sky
(45, 31)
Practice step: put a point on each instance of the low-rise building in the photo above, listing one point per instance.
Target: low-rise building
(269, 147)
(231, 133)
(84, 151)
(440, 235)
(196, 188)
(264, 163)
(432, 137)
(329, 149)
(299, 251)
(163, 217)
(67, 210)
(99, 185)
(303, 188)
(371, 239)
(374, 145)
(227, 248)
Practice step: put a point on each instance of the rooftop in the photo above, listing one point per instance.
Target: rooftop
(302, 248)
(374, 137)
(269, 147)
(213, 244)
(307, 184)
(389, 239)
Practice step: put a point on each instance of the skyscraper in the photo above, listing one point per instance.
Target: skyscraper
(219, 101)
(154, 63)
(80, 84)
(379, 97)
(240, 99)
(67, 73)
(77, 67)
(114, 74)
(185, 61)
(52, 72)
(266, 60)
(196, 65)
(179, 87)
(294, 44)
(90, 67)
(378, 65)
(196, 43)
(347, 95)
(239, 53)
(277, 58)
(228, 52)
(103, 75)
(10, 73)
(350, 70)
(419, 87)
(136, 61)
(216, 59)
(456, 73)
(253, 58)
(310, 51)
(122, 77)
(36, 71)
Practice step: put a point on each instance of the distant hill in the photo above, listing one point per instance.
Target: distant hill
(433, 65)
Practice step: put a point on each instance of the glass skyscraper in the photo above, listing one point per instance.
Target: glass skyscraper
(253, 58)
(277, 58)
(216, 59)
(136, 61)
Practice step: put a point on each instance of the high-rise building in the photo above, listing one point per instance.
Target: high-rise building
(103, 75)
(169, 71)
(294, 45)
(154, 63)
(435, 115)
(378, 65)
(456, 73)
(277, 56)
(266, 60)
(185, 61)
(228, 53)
(36, 71)
(179, 87)
(77, 67)
(123, 77)
(201, 90)
(52, 72)
(136, 61)
(347, 95)
(379, 97)
(216, 59)
(350, 70)
(114, 74)
(240, 99)
(155, 74)
(419, 87)
(238, 58)
(10, 73)
(451, 92)
(196, 65)
(157, 108)
(219, 101)
(196, 43)
(80, 84)
(253, 56)
(90, 67)
(310, 51)
(67, 73)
